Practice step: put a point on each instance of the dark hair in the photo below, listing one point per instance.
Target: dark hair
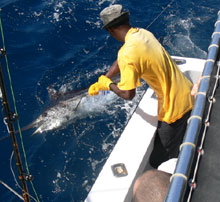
(122, 20)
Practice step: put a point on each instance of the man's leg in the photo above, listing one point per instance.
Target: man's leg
(168, 138)
(159, 153)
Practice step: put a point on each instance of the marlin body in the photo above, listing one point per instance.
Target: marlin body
(62, 110)
(66, 107)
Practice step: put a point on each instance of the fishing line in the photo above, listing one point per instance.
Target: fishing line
(168, 5)
(15, 108)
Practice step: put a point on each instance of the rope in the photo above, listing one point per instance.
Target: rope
(13, 98)
(12, 171)
(194, 117)
(178, 175)
(168, 5)
(187, 143)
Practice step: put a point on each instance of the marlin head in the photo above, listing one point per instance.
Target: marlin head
(62, 110)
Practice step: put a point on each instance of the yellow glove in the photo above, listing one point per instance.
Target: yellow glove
(94, 89)
(104, 82)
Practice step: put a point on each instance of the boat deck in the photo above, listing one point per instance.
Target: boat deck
(208, 176)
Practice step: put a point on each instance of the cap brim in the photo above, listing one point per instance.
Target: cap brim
(121, 18)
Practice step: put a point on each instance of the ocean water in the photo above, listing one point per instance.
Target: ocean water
(59, 43)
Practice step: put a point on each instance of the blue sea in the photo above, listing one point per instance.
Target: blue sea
(60, 43)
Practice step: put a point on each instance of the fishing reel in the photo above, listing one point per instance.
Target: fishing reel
(2, 52)
(28, 177)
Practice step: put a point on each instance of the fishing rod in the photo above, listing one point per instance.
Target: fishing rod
(9, 120)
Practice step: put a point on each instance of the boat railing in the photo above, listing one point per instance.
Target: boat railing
(180, 182)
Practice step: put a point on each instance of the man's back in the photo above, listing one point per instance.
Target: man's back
(142, 56)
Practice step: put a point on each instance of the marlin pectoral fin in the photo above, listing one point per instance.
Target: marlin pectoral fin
(78, 104)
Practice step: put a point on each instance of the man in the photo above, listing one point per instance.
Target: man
(151, 186)
(143, 57)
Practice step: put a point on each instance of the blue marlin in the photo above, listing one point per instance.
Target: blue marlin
(65, 107)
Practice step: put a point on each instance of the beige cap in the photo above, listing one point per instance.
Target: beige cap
(112, 13)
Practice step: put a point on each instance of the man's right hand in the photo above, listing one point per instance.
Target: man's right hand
(94, 89)
(102, 84)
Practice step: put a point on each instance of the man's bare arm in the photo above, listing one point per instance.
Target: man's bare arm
(113, 71)
(125, 94)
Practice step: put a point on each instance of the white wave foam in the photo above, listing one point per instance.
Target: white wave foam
(103, 1)
(97, 103)
(180, 40)
(182, 45)
(58, 8)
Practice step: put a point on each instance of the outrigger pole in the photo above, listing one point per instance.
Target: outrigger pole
(9, 119)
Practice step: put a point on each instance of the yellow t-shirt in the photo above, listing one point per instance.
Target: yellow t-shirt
(142, 56)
